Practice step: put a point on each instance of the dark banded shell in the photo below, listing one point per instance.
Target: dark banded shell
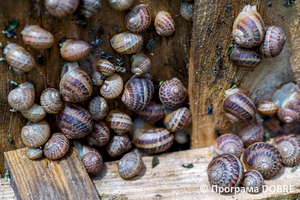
(21, 98)
(34, 153)
(229, 144)
(225, 171)
(57, 146)
(61, 8)
(51, 100)
(151, 113)
(118, 121)
(36, 37)
(105, 67)
(112, 86)
(289, 148)
(130, 165)
(89, 8)
(251, 133)
(187, 10)
(138, 19)
(264, 158)
(127, 43)
(98, 108)
(246, 59)
(74, 121)
(99, 135)
(92, 160)
(177, 120)
(118, 145)
(253, 181)
(286, 115)
(75, 50)
(164, 24)
(267, 108)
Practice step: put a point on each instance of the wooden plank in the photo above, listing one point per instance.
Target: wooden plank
(45, 179)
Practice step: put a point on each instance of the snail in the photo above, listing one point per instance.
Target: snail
(75, 85)
(264, 158)
(130, 165)
(151, 139)
(120, 4)
(151, 113)
(248, 28)
(267, 108)
(99, 135)
(51, 100)
(97, 78)
(164, 24)
(253, 181)
(127, 43)
(238, 106)
(112, 86)
(74, 121)
(118, 145)
(229, 144)
(137, 92)
(287, 115)
(34, 153)
(245, 59)
(89, 8)
(289, 148)
(225, 171)
(98, 108)
(172, 93)
(57, 146)
(138, 19)
(251, 133)
(181, 137)
(18, 58)
(35, 113)
(74, 50)
(35, 134)
(177, 120)
(273, 42)
(105, 67)
(22, 97)
(118, 121)
(140, 64)
(37, 37)
(187, 10)
(61, 8)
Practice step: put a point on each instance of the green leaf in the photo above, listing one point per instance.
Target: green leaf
(155, 161)
(13, 24)
(7, 174)
(188, 166)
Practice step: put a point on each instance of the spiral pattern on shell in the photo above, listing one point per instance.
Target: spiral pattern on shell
(229, 144)
(118, 145)
(37, 37)
(138, 19)
(21, 98)
(35, 113)
(61, 8)
(57, 146)
(246, 59)
(99, 135)
(120, 4)
(267, 108)
(88, 8)
(253, 181)
(251, 133)
(105, 67)
(92, 160)
(127, 43)
(292, 103)
(112, 86)
(130, 165)
(118, 121)
(286, 115)
(140, 64)
(177, 120)
(97, 78)
(164, 24)
(75, 50)
(98, 108)
(34, 153)
(151, 113)
(187, 10)
(51, 100)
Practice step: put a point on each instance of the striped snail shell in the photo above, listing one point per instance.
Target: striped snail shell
(225, 171)
(118, 145)
(97, 78)
(51, 100)
(267, 108)
(34, 153)
(286, 115)
(118, 121)
(138, 19)
(289, 148)
(18, 58)
(238, 106)
(245, 59)
(89, 8)
(61, 8)
(99, 135)
(164, 24)
(293, 103)
(91, 159)
(151, 139)
(57, 146)
(105, 67)
(248, 28)
(21, 98)
(98, 108)
(251, 133)
(112, 86)
(151, 113)
(273, 42)
(127, 43)
(253, 181)
(130, 165)
(35, 134)
(74, 121)
(187, 10)
(137, 93)
(36, 37)
(264, 158)
(140, 64)
(229, 144)
(75, 50)
(177, 120)
(120, 4)
(172, 93)
(35, 113)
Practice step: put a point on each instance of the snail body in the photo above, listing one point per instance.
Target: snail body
(187, 10)
(177, 120)
(105, 67)
(119, 122)
(251, 133)
(118, 145)
(140, 64)
(267, 108)
(245, 59)
(120, 4)
(97, 78)
(22, 97)
(112, 86)
(89, 8)
(229, 144)
(151, 113)
(61, 8)
(253, 181)
(51, 100)
(35, 113)
(127, 43)
(138, 19)
(57, 146)
(37, 37)
(34, 153)
(99, 135)
(130, 165)
(75, 50)
(98, 108)
(164, 24)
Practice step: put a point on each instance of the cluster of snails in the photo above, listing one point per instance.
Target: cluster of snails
(254, 40)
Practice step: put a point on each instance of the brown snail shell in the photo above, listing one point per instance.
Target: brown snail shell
(89, 8)
(172, 93)
(118, 121)
(248, 28)
(267, 108)
(34, 153)
(112, 86)
(75, 50)
(92, 160)
(286, 115)
(292, 103)
(177, 120)
(264, 158)
(151, 113)
(57, 146)
(61, 8)
(127, 43)
(225, 171)
(35, 134)
(21, 98)
(138, 19)
(187, 10)
(99, 135)
(164, 24)
(140, 64)
(18, 58)
(97, 78)
(273, 42)
(229, 144)
(181, 137)
(251, 133)
(130, 165)
(74, 121)
(105, 67)
(120, 4)
(253, 181)
(35, 113)
(37, 37)
(246, 59)
(51, 100)
(118, 145)
(98, 108)
(289, 148)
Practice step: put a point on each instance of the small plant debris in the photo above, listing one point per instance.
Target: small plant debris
(270, 4)
(118, 65)
(10, 68)
(11, 31)
(11, 141)
(81, 22)
(92, 29)
(104, 55)
(13, 110)
(188, 166)
(41, 60)
(7, 175)
(12, 83)
(61, 43)
(267, 137)
(149, 30)
(294, 168)
(155, 162)
(2, 59)
(160, 84)
(32, 84)
(228, 8)
(209, 110)
(115, 28)
(288, 3)
(116, 103)
(96, 42)
(218, 47)
(150, 44)
(231, 47)
(100, 31)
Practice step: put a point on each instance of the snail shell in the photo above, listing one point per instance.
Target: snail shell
(34, 153)
(181, 137)
(18, 58)
(51, 100)
(92, 160)
(138, 19)
(118, 121)
(57, 146)
(150, 139)
(21, 98)
(89, 8)
(127, 43)
(120, 4)
(97, 78)
(225, 171)
(151, 113)
(61, 8)
(229, 144)
(287, 115)
(105, 67)
(99, 135)
(118, 145)
(177, 120)
(98, 108)
(112, 86)
(238, 106)
(75, 50)
(140, 64)
(251, 133)
(172, 93)
(267, 108)
(130, 165)
(35, 113)
(187, 10)
(253, 181)
(293, 103)
(264, 158)
(248, 28)
(36, 37)
(273, 42)
(164, 24)
(35, 134)
(289, 148)
(74, 121)
(246, 59)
